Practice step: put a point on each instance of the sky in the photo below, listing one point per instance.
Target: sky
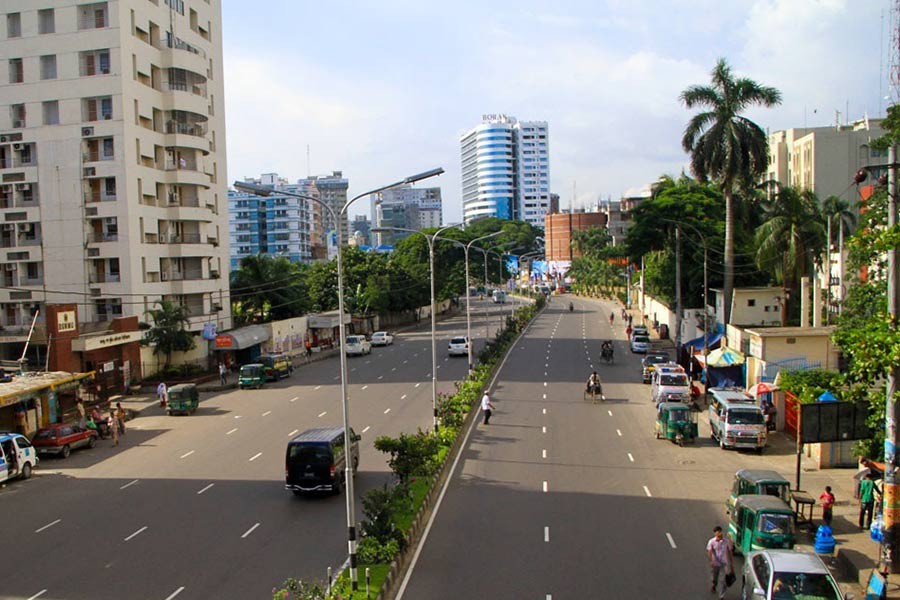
(383, 90)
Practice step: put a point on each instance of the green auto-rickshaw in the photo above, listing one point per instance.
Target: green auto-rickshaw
(676, 421)
(759, 481)
(761, 521)
(252, 376)
(182, 399)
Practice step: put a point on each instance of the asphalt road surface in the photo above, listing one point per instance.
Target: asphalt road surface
(194, 507)
(561, 498)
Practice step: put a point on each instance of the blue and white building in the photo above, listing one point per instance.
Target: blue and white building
(506, 170)
(278, 225)
(406, 207)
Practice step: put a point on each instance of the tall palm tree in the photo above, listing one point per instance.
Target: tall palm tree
(725, 145)
(792, 237)
(840, 213)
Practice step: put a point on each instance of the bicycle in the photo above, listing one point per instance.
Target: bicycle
(593, 392)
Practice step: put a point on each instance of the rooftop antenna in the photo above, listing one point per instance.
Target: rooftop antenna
(308, 169)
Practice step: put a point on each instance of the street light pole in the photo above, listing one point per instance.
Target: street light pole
(261, 190)
(469, 296)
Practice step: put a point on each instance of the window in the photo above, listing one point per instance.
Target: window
(109, 187)
(108, 149)
(94, 62)
(46, 21)
(25, 154)
(751, 302)
(13, 25)
(17, 113)
(48, 66)
(16, 72)
(51, 112)
(32, 270)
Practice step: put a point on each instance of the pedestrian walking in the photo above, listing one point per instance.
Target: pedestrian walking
(223, 374)
(486, 406)
(721, 560)
(114, 426)
(630, 318)
(120, 417)
(162, 393)
(827, 500)
(867, 491)
(79, 406)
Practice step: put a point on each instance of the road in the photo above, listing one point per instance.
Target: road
(194, 507)
(562, 498)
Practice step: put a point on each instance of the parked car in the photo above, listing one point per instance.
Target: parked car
(382, 338)
(640, 344)
(62, 438)
(639, 330)
(458, 346)
(25, 461)
(649, 362)
(775, 574)
(277, 366)
(357, 345)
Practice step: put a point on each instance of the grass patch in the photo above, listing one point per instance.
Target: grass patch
(377, 575)
(418, 488)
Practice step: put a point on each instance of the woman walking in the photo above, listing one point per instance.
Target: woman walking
(114, 426)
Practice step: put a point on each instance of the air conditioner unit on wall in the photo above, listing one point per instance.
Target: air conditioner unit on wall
(17, 146)
(23, 187)
(86, 131)
(4, 139)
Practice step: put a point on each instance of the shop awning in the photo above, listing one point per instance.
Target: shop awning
(242, 338)
(711, 341)
(327, 320)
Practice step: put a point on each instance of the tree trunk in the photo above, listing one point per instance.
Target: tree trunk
(728, 282)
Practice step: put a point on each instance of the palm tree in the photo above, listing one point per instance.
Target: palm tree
(725, 145)
(792, 236)
(840, 213)
(168, 332)
(266, 288)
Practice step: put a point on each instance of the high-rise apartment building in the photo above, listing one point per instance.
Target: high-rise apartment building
(332, 190)
(278, 225)
(406, 207)
(506, 170)
(112, 160)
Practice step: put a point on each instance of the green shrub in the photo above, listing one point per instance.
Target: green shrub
(297, 589)
(410, 454)
(379, 507)
(369, 551)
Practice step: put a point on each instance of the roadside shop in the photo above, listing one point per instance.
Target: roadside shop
(33, 400)
(240, 346)
(324, 330)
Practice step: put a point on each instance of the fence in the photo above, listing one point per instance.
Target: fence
(787, 364)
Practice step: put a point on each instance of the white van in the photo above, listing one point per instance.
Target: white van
(670, 384)
(499, 297)
(17, 456)
(735, 420)
(357, 345)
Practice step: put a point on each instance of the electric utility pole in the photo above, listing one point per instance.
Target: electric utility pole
(891, 501)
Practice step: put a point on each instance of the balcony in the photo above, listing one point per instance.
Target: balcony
(184, 238)
(104, 277)
(99, 237)
(188, 275)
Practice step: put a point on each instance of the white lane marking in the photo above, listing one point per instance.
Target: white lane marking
(186, 454)
(544, 410)
(368, 361)
(136, 533)
(630, 457)
(405, 361)
(129, 484)
(49, 525)
(545, 373)
(387, 410)
(543, 453)
(366, 429)
(237, 416)
(175, 593)
(364, 387)
(418, 384)
(267, 413)
(671, 541)
(38, 595)
(545, 487)
(546, 534)
(255, 456)
(323, 413)
(336, 377)
(545, 396)
(206, 488)
(549, 597)
(546, 364)
(545, 384)
(647, 491)
(353, 369)
(403, 397)
(544, 429)
(230, 432)
(317, 387)
(619, 431)
(293, 433)
(394, 369)
(295, 398)
(249, 531)
(382, 376)
(610, 412)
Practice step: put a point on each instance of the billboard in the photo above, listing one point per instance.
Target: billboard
(833, 422)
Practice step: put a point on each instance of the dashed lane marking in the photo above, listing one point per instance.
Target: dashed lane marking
(543, 453)
(175, 593)
(365, 386)
(38, 595)
(255, 456)
(230, 432)
(205, 488)
(545, 487)
(129, 484)
(403, 397)
(610, 412)
(267, 413)
(249, 531)
(293, 433)
(630, 457)
(366, 429)
(323, 413)
(619, 432)
(671, 541)
(547, 534)
(647, 491)
(186, 454)
(544, 429)
(136, 533)
(387, 410)
(48, 525)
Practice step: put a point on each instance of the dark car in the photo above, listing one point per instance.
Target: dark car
(62, 438)
(315, 460)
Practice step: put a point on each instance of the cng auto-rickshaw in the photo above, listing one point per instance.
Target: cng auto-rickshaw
(182, 399)
(759, 481)
(676, 422)
(252, 376)
(760, 521)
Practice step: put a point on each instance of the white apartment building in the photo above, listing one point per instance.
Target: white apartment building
(506, 170)
(112, 160)
(406, 207)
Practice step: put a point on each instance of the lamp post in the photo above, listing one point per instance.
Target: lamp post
(261, 190)
(431, 238)
(469, 294)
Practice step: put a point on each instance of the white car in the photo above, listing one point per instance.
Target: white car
(640, 344)
(357, 345)
(459, 346)
(382, 338)
(776, 574)
(639, 330)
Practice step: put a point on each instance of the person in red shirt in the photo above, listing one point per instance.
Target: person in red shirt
(827, 500)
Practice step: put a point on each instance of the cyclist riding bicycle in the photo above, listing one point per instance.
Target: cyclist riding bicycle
(593, 384)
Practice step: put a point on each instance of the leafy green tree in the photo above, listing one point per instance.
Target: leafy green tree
(727, 146)
(266, 288)
(167, 331)
(791, 239)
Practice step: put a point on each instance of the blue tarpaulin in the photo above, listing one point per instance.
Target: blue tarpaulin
(714, 337)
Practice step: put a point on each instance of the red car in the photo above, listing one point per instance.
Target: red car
(61, 439)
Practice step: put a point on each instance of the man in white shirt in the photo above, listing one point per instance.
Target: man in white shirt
(486, 406)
